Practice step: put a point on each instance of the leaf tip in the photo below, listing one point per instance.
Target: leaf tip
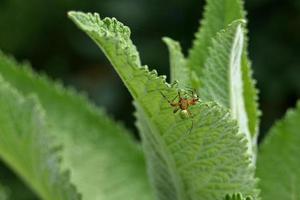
(71, 13)
(86, 21)
(171, 43)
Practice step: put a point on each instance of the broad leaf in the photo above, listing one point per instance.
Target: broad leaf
(222, 76)
(217, 16)
(278, 161)
(178, 69)
(26, 146)
(104, 161)
(202, 157)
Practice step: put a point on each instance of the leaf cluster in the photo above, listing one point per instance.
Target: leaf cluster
(65, 148)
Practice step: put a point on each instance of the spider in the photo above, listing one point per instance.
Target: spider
(183, 103)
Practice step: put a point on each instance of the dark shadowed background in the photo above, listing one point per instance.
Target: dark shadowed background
(39, 31)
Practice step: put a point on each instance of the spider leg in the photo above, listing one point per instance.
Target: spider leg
(164, 96)
(179, 95)
(175, 83)
(170, 102)
(192, 92)
(175, 110)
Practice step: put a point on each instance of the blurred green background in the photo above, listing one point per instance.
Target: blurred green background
(39, 31)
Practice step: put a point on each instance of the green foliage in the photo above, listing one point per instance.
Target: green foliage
(196, 158)
(208, 155)
(95, 138)
(186, 160)
(217, 16)
(23, 127)
(222, 76)
(278, 161)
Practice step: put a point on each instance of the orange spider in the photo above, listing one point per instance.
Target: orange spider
(183, 104)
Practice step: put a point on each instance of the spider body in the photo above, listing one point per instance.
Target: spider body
(183, 103)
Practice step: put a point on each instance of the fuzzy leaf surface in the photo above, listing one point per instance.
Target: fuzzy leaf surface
(218, 15)
(222, 76)
(89, 139)
(26, 146)
(205, 162)
(278, 161)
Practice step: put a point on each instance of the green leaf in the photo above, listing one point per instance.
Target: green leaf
(26, 146)
(89, 139)
(205, 161)
(178, 69)
(250, 95)
(278, 161)
(218, 15)
(237, 196)
(222, 76)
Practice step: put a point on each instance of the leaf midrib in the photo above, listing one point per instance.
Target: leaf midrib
(231, 96)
